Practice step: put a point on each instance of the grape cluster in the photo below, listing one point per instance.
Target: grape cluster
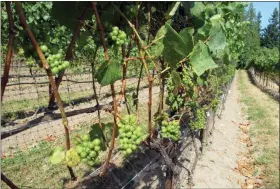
(55, 61)
(118, 36)
(171, 130)
(72, 158)
(199, 121)
(131, 11)
(88, 150)
(130, 134)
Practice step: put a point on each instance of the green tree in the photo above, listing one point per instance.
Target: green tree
(259, 16)
(252, 37)
(271, 33)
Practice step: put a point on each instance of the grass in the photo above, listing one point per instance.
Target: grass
(31, 169)
(262, 111)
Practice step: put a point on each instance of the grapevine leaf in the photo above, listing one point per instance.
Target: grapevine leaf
(215, 19)
(172, 10)
(199, 81)
(186, 34)
(203, 32)
(197, 10)
(175, 48)
(110, 16)
(108, 73)
(161, 33)
(176, 79)
(156, 50)
(217, 41)
(200, 59)
(71, 11)
(226, 59)
(57, 155)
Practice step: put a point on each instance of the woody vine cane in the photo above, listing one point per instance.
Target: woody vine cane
(50, 77)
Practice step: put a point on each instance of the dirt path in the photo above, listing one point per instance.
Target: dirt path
(216, 167)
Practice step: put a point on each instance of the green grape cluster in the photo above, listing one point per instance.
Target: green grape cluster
(130, 134)
(118, 36)
(131, 11)
(177, 101)
(30, 62)
(55, 61)
(72, 158)
(88, 150)
(171, 130)
(199, 121)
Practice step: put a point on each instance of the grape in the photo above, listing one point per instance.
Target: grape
(44, 48)
(97, 148)
(79, 149)
(55, 70)
(133, 147)
(92, 154)
(86, 137)
(133, 137)
(58, 56)
(60, 67)
(83, 154)
(97, 141)
(115, 32)
(91, 145)
(116, 28)
(90, 163)
(122, 35)
(66, 64)
(128, 151)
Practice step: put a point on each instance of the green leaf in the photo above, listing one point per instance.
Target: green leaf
(172, 10)
(176, 79)
(186, 35)
(199, 81)
(156, 50)
(215, 19)
(217, 41)
(203, 32)
(109, 73)
(161, 33)
(197, 10)
(57, 155)
(200, 59)
(175, 48)
(110, 16)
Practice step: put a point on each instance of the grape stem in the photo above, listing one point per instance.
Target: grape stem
(5, 78)
(150, 80)
(50, 76)
(114, 134)
(153, 42)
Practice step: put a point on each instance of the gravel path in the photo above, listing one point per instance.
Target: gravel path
(216, 167)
